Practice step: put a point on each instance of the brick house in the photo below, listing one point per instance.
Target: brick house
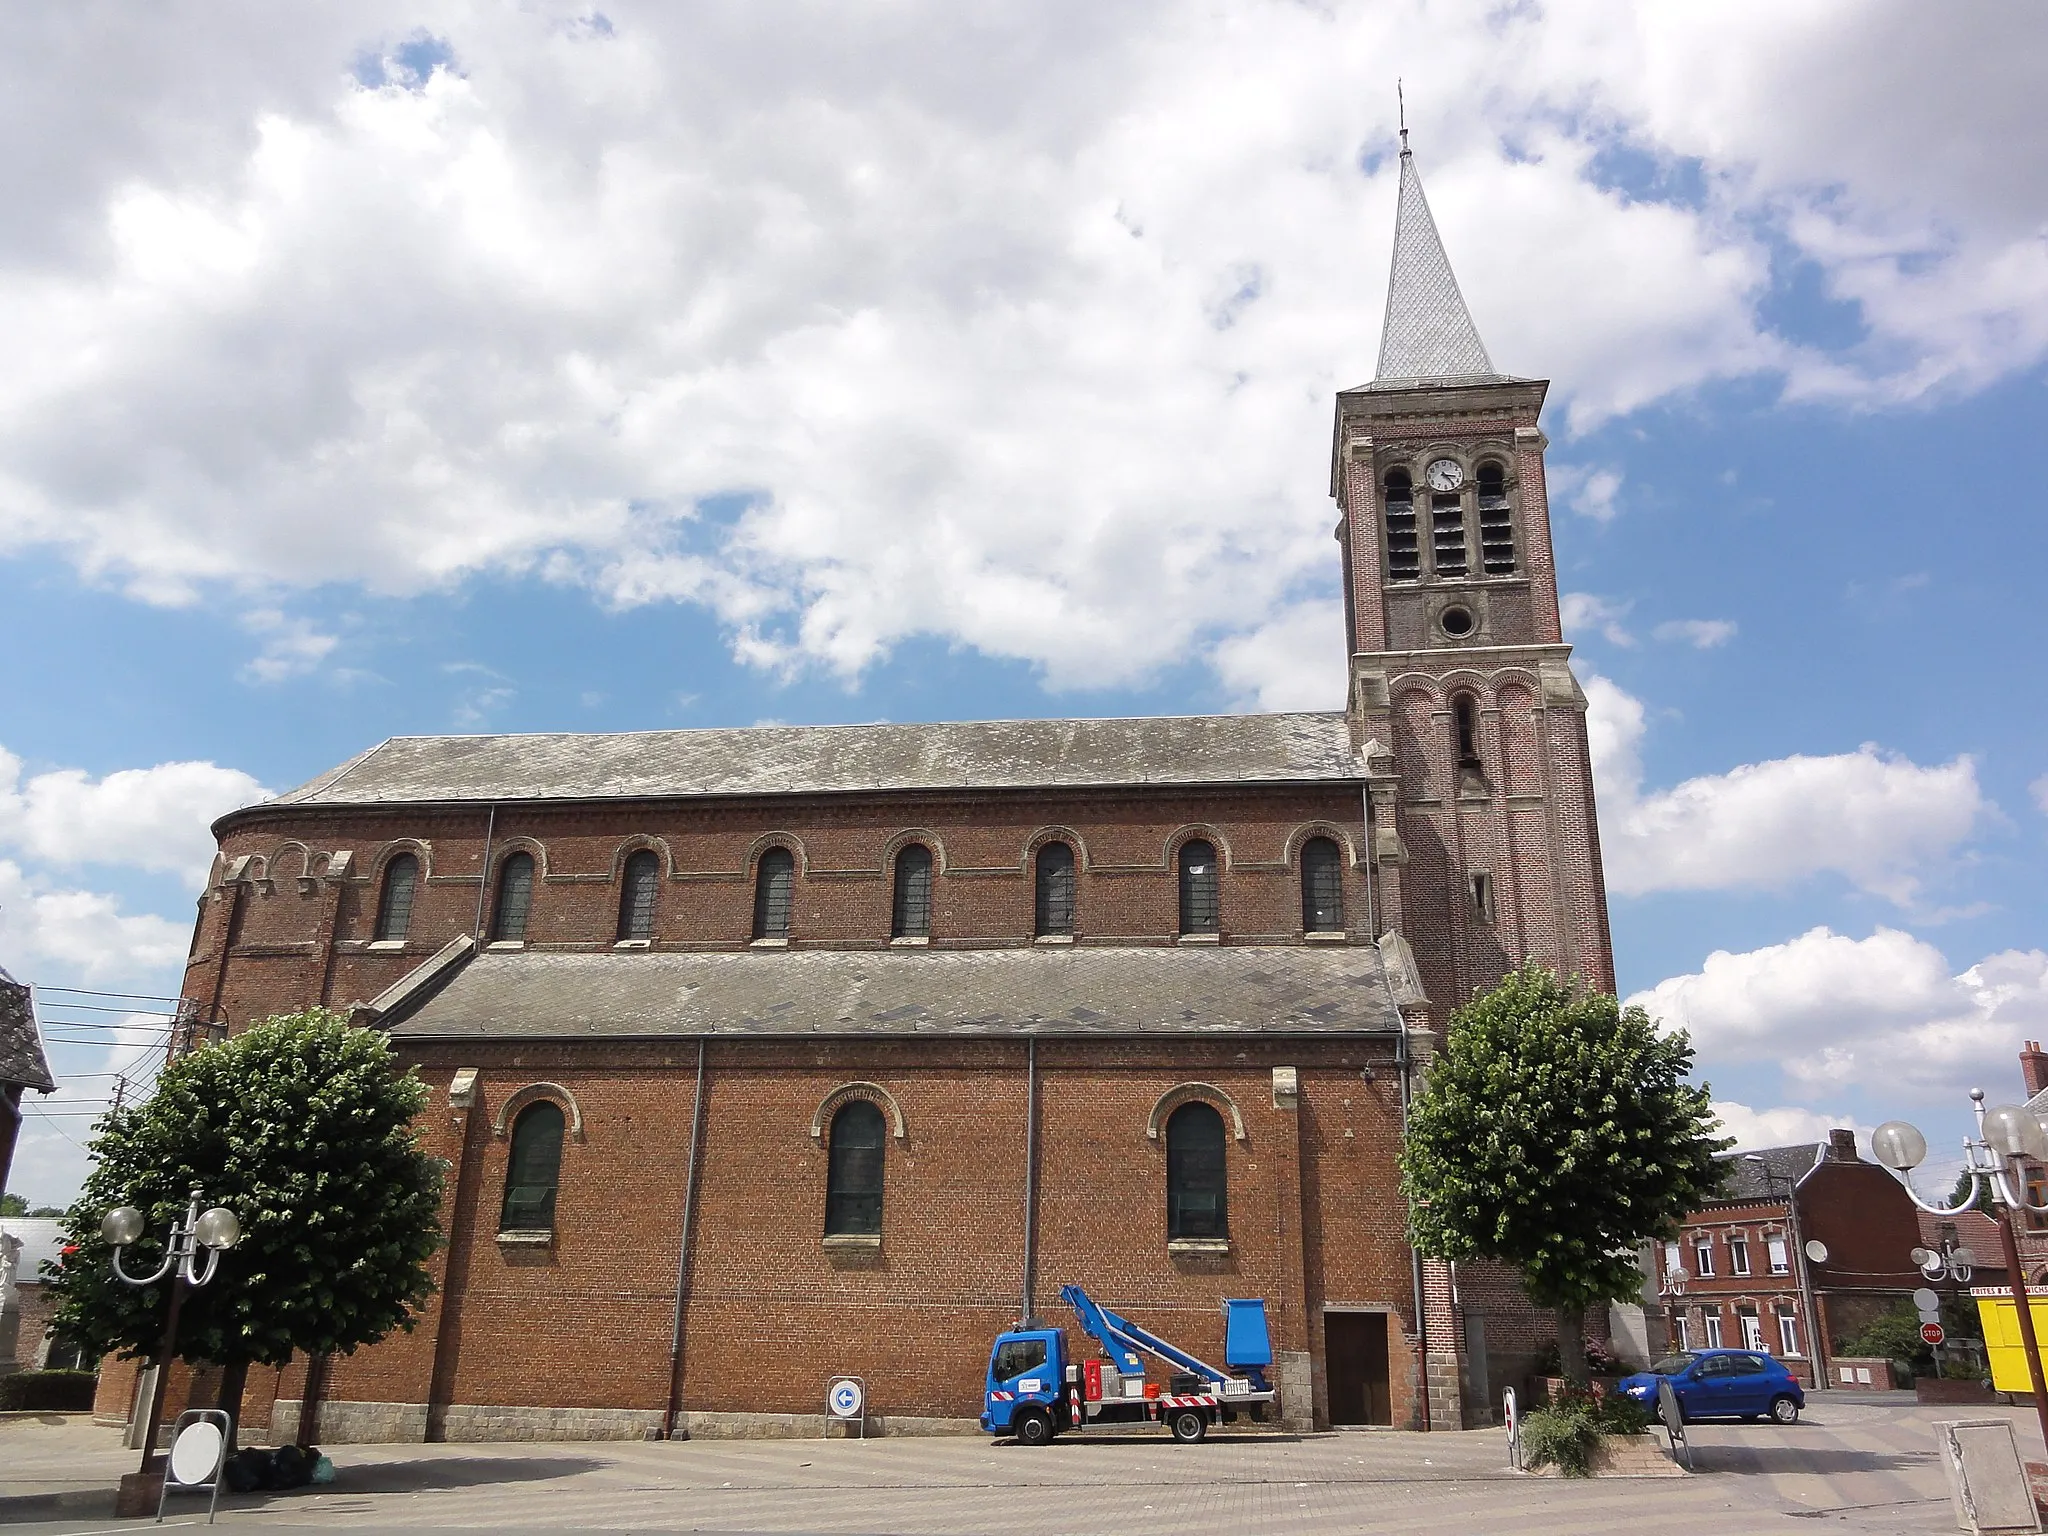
(749, 1045)
(27, 1340)
(1738, 1272)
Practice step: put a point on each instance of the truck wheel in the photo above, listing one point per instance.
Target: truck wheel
(1189, 1426)
(1033, 1429)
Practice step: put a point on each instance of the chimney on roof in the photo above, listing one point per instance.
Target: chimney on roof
(2034, 1067)
(1841, 1146)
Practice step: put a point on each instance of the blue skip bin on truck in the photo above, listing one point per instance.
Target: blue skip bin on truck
(1036, 1388)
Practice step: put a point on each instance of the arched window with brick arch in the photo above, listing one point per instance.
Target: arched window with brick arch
(1054, 899)
(1201, 896)
(853, 1175)
(394, 905)
(1322, 886)
(1197, 1173)
(910, 911)
(638, 889)
(515, 899)
(534, 1170)
(774, 891)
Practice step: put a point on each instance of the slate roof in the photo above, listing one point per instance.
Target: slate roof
(1747, 1182)
(781, 759)
(1428, 336)
(21, 1043)
(41, 1239)
(1078, 991)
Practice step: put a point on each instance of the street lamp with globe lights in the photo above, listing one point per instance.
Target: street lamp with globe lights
(215, 1231)
(2004, 1134)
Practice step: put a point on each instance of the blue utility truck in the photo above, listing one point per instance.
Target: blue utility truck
(1036, 1387)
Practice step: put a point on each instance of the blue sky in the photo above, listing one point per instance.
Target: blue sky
(437, 369)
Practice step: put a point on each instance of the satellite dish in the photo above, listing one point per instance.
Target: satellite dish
(1816, 1250)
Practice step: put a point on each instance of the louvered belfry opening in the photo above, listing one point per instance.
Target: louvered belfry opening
(1404, 551)
(1496, 522)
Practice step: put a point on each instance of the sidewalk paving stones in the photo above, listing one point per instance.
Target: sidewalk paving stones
(1851, 1466)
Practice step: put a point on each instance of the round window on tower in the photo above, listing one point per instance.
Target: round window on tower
(1457, 622)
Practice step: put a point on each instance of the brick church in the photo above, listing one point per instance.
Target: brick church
(765, 1055)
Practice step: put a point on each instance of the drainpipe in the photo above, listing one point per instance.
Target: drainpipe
(675, 1348)
(1030, 1314)
(483, 880)
(1414, 1253)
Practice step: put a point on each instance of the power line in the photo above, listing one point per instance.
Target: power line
(147, 997)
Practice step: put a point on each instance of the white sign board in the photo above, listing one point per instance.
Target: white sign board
(845, 1399)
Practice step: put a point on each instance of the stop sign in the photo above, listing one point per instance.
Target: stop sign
(1932, 1333)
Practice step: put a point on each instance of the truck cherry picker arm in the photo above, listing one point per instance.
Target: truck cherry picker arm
(1121, 1338)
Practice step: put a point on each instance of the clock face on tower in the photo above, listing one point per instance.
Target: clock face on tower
(1444, 475)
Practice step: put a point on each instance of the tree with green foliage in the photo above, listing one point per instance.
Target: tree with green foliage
(17, 1205)
(1554, 1132)
(302, 1126)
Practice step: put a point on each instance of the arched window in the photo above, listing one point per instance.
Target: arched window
(394, 908)
(1200, 897)
(1055, 904)
(515, 899)
(534, 1169)
(910, 914)
(1196, 1173)
(1404, 555)
(853, 1177)
(1465, 721)
(774, 888)
(1322, 886)
(636, 895)
(1496, 522)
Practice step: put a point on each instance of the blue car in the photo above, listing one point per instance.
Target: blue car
(1722, 1384)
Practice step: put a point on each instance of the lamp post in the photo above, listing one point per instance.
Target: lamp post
(216, 1231)
(1805, 1276)
(2004, 1135)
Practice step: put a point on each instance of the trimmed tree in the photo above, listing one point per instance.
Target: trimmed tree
(302, 1126)
(1557, 1130)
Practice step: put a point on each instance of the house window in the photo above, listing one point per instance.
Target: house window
(1684, 1331)
(1195, 1173)
(1054, 907)
(1674, 1261)
(1703, 1257)
(2037, 1194)
(1774, 1251)
(394, 909)
(1200, 897)
(774, 884)
(637, 893)
(1738, 1255)
(534, 1170)
(1496, 522)
(1447, 533)
(1322, 886)
(515, 899)
(1752, 1329)
(910, 915)
(1404, 555)
(1788, 1334)
(1710, 1325)
(853, 1177)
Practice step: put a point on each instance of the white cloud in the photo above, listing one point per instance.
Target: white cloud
(1581, 611)
(1782, 1126)
(1293, 661)
(1590, 491)
(80, 933)
(1878, 821)
(1885, 1012)
(1033, 313)
(2039, 790)
(1700, 634)
(145, 818)
(291, 647)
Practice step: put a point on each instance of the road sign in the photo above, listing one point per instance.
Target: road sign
(845, 1399)
(1932, 1333)
(1928, 1303)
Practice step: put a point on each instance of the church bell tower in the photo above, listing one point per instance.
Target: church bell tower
(1462, 696)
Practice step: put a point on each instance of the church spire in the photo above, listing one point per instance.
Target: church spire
(1428, 336)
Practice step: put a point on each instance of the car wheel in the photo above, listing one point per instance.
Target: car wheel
(1034, 1429)
(1784, 1410)
(1189, 1426)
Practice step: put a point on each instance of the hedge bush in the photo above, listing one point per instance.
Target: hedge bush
(1566, 1434)
(48, 1391)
